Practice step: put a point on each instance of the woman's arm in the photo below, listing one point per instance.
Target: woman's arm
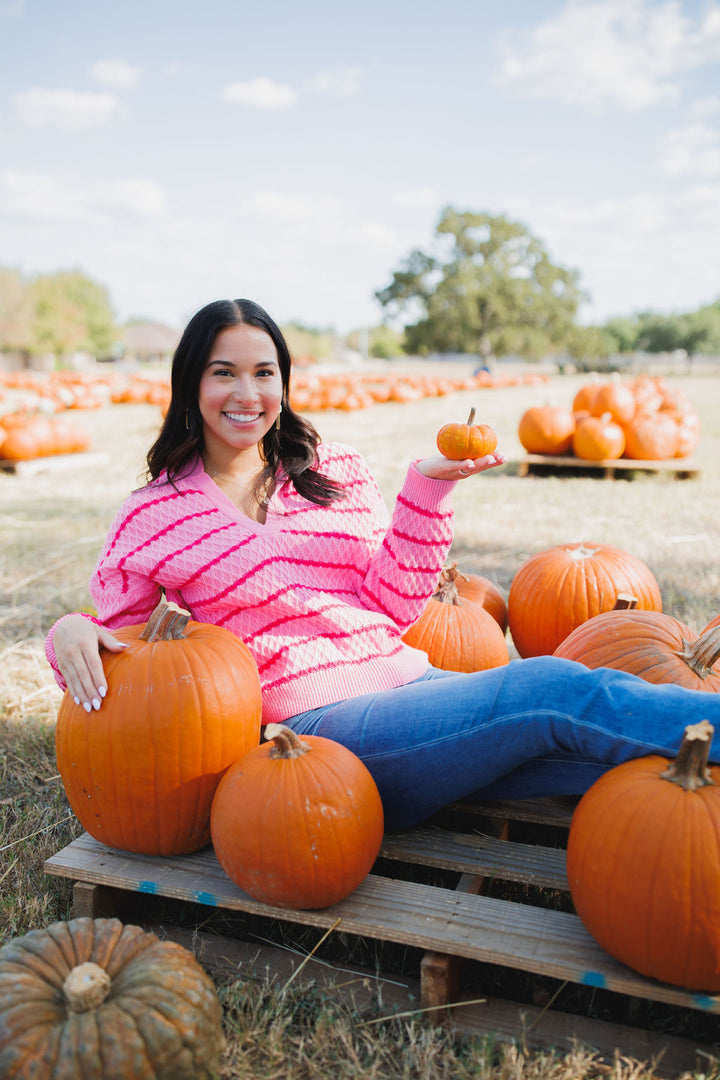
(403, 572)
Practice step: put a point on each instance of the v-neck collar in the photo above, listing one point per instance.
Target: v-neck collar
(217, 496)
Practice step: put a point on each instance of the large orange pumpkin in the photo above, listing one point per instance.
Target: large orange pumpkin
(560, 588)
(546, 429)
(598, 438)
(650, 644)
(643, 864)
(457, 634)
(651, 438)
(183, 702)
(297, 822)
(94, 999)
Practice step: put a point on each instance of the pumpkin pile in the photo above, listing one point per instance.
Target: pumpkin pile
(26, 436)
(642, 419)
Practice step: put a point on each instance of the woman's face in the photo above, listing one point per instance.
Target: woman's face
(240, 389)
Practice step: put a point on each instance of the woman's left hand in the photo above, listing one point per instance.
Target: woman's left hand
(442, 468)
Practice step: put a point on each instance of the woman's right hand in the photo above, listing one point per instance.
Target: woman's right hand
(77, 641)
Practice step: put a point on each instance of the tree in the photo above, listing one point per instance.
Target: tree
(16, 311)
(71, 312)
(692, 333)
(489, 288)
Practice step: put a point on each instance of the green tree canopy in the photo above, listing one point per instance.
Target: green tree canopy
(72, 312)
(490, 287)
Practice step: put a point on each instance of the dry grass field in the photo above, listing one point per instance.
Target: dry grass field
(52, 525)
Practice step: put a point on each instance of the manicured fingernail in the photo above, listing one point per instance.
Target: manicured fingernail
(76, 699)
(96, 703)
(87, 706)
(102, 690)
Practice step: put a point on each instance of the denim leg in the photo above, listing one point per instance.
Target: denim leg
(546, 725)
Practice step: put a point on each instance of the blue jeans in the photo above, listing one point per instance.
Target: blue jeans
(535, 727)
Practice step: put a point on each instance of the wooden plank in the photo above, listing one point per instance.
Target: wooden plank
(477, 854)
(554, 810)
(53, 463)
(683, 467)
(482, 928)
(362, 990)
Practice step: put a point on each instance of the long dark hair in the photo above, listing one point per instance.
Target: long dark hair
(292, 445)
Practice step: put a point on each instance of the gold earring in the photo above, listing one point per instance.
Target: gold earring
(187, 421)
(277, 420)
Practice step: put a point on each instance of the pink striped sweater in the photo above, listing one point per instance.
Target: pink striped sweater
(320, 595)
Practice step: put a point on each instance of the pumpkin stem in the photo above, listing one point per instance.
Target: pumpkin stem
(167, 623)
(625, 602)
(446, 591)
(287, 743)
(86, 987)
(471, 417)
(689, 769)
(702, 653)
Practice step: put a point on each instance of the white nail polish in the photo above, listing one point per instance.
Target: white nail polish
(87, 706)
(76, 699)
(102, 690)
(96, 703)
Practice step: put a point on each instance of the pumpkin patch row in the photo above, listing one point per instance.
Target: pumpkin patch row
(24, 436)
(642, 419)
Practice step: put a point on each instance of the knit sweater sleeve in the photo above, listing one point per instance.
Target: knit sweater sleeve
(121, 598)
(403, 572)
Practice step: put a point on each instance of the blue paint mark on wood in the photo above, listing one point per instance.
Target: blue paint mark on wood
(707, 1001)
(592, 978)
(147, 886)
(206, 898)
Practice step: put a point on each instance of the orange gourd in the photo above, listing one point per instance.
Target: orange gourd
(456, 633)
(653, 437)
(563, 586)
(480, 590)
(94, 999)
(546, 429)
(183, 702)
(297, 822)
(650, 644)
(643, 866)
(616, 398)
(471, 440)
(598, 438)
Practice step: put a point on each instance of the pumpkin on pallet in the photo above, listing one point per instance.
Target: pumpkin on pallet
(562, 587)
(297, 822)
(643, 866)
(650, 644)
(547, 429)
(183, 703)
(458, 634)
(92, 998)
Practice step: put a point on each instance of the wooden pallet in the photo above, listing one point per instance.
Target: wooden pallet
(682, 468)
(53, 463)
(449, 925)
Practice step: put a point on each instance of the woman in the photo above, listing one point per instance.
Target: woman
(252, 523)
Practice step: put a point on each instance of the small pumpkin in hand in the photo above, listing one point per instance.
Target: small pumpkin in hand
(96, 999)
(297, 823)
(460, 441)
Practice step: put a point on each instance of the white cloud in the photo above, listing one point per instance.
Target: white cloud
(704, 108)
(693, 150)
(414, 197)
(261, 93)
(342, 83)
(597, 53)
(38, 196)
(374, 234)
(66, 108)
(275, 204)
(115, 73)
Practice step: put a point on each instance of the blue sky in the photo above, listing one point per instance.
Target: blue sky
(296, 152)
